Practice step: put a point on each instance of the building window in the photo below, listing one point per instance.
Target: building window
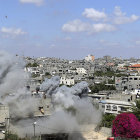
(103, 106)
(135, 78)
(108, 107)
(123, 108)
(114, 108)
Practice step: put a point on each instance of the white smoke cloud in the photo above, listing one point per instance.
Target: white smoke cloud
(50, 85)
(72, 108)
(74, 100)
(12, 86)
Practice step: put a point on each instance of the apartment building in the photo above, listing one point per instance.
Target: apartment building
(115, 106)
(67, 81)
(129, 83)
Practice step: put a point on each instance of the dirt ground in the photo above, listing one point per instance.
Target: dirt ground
(89, 133)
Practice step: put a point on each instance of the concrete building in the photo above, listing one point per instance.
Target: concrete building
(129, 83)
(67, 81)
(4, 120)
(133, 82)
(115, 106)
(81, 70)
(135, 67)
(90, 58)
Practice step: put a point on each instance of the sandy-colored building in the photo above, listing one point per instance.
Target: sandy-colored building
(135, 67)
(4, 120)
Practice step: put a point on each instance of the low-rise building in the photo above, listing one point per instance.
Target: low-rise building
(67, 81)
(129, 83)
(115, 106)
(135, 67)
(4, 120)
(81, 70)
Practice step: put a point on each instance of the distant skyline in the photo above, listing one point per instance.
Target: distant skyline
(70, 29)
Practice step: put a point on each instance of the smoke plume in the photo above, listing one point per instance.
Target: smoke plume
(72, 107)
(12, 86)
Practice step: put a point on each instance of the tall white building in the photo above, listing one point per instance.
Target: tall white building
(89, 58)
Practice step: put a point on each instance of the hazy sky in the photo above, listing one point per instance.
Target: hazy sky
(70, 28)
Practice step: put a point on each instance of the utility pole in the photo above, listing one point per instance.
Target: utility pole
(34, 127)
(7, 125)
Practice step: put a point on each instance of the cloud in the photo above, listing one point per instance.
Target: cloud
(36, 2)
(101, 27)
(104, 22)
(118, 12)
(79, 26)
(93, 14)
(137, 42)
(52, 45)
(12, 31)
(68, 38)
(103, 42)
(76, 26)
(121, 18)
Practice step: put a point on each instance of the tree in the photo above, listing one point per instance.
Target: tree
(47, 73)
(110, 81)
(107, 120)
(35, 75)
(35, 64)
(11, 136)
(32, 65)
(100, 87)
(126, 125)
(136, 109)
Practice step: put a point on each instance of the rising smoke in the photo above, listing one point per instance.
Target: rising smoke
(72, 106)
(12, 86)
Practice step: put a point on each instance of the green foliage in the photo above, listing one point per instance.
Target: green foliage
(35, 65)
(28, 65)
(110, 81)
(32, 65)
(100, 87)
(60, 85)
(11, 136)
(101, 73)
(35, 75)
(136, 109)
(47, 74)
(109, 73)
(120, 75)
(107, 120)
(91, 77)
